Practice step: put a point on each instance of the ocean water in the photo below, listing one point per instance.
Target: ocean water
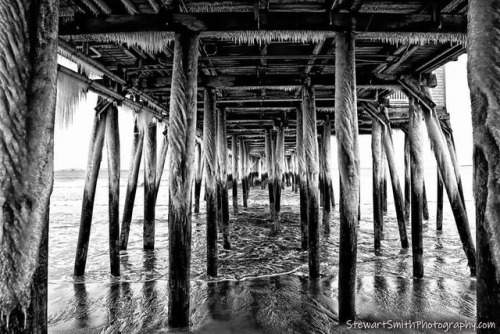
(262, 284)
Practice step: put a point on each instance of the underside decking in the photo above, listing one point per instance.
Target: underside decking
(257, 54)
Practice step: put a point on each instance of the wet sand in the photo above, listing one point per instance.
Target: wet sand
(241, 300)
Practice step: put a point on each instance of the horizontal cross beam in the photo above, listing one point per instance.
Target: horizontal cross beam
(211, 24)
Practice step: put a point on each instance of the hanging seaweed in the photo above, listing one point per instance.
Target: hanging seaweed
(70, 94)
(148, 41)
(265, 37)
(420, 38)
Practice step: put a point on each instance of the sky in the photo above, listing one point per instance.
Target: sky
(71, 144)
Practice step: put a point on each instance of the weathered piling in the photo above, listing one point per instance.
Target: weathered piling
(135, 162)
(223, 195)
(302, 180)
(415, 134)
(244, 179)
(483, 57)
(449, 178)
(396, 186)
(197, 179)
(346, 129)
(407, 160)
(439, 205)
(160, 166)
(113, 151)
(234, 148)
(181, 135)
(327, 174)
(270, 165)
(377, 181)
(321, 163)
(278, 171)
(425, 206)
(453, 154)
(384, 185)
(149, 185)
(310, 134)
(28, 49)
(210, 157)
(93, 166)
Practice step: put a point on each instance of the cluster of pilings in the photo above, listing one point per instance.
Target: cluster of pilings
(27, 147)
(310, 172)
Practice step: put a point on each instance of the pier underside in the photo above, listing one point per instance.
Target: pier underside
(248, 93)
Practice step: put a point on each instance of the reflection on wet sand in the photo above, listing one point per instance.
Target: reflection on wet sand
(279, 304)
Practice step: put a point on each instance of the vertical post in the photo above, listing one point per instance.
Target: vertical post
(135, 163)
(28, 49)
(278, 173)
(440, 197)
(415, 134)
(197, 180)
(244, 178)
(210, 157)
(310, 138)
(181, 135)
(234, 147)
(93, 166)
(483, 55)
(377, 180)
(407, 177)
(113, 150)
(396, 186)
(327, 174)
(425, 206)
(346, 126)
(223, 195)
(321, 163)
(269, 158)
(160, 166)
(302, 179)
(384, 186)
(149, 185)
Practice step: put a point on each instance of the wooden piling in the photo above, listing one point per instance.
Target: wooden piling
(133, 175)
(396, 186)
(310, 134)
(197, 179)
(327, 174)
(234, 148)
(160, 166)
(384, 186)
(407, 160)
(302, 180)
(425, 206)
(448, 175)
(210, 157)
(181, 135)
(377, 181)
(28, 49)
(483, 56)
(244, 179)
(440, 197)
(113, 151)
(223, 193)
(278, 172)
(346, 128)
(149, 185)
(93, 166)
(453, 154)
(415, 134)
(270, 165)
